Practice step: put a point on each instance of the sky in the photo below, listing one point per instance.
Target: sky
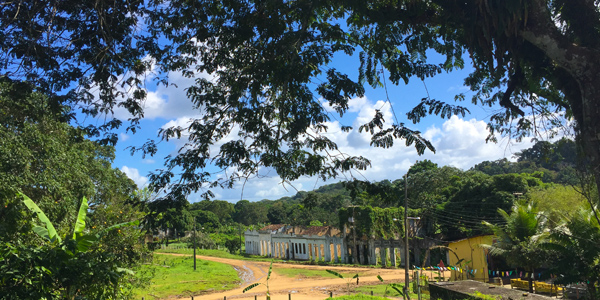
(459, 141)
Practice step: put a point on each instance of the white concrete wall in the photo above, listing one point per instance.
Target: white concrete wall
(297, 247)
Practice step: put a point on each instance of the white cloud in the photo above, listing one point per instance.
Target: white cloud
(148, 161)
(166, 102)
(123, 137)
(134, 175)
(458, 88)
(458, 142)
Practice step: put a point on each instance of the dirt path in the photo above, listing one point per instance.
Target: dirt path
(300, 287)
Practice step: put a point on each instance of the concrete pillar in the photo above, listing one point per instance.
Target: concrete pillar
(402, 256)
(383, 254)
(319, 251)
(335, 252)
(373, 255)
(393, 256)
(328, 251)
(417, 253)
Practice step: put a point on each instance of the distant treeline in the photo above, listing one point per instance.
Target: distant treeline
(452, 203)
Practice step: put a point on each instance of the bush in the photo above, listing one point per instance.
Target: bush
(233, 245)
(203, 241)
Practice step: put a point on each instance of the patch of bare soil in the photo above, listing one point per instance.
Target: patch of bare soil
(300, 287)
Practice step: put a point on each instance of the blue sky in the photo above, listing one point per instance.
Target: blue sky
(459, 141)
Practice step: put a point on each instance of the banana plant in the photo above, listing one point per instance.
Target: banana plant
(259, 283)
(82, 241)
(348, 280)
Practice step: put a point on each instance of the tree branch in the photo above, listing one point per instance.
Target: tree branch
(541, 31)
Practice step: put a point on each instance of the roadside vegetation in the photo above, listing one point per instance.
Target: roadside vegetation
(384, 290)
(358, 297)
(175, 276)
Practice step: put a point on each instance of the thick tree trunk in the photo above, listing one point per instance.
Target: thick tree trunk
(581, 66)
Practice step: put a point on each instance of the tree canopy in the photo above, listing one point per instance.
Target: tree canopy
(57, 166)
(254, 64)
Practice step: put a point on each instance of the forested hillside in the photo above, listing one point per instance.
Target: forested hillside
(452, 203)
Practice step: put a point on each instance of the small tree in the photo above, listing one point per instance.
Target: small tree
(65, 268)
(348, 280)
(577, 241)
(259, 283)
(519, 241)
(232, 244)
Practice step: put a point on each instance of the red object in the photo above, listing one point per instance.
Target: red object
(441, 264)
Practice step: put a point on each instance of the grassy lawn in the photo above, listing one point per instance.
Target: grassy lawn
(214, 253)
(175, 276)
(289, 272)
(226, 254)
(380, 290)
(357, 297)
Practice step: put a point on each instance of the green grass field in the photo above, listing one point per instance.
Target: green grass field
(214, 253)
(358, 297)
(175, 276)
(380, 290)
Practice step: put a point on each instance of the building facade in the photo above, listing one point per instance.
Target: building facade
(328, 244)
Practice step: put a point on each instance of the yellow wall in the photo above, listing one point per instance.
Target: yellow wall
(469, 250)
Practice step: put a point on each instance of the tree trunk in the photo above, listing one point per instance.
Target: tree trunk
(577, 74)
(591, 287)
(530, 280)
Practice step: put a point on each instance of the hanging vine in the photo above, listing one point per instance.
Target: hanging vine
(374, 222)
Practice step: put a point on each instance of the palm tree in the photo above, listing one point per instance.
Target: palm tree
(577, 241)
(519, 240)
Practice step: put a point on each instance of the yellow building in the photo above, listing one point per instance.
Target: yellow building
(470, 251)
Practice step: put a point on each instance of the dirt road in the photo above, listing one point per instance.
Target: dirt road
(300, 287)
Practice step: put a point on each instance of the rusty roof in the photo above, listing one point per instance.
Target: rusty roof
(314, 230)
(272, 227)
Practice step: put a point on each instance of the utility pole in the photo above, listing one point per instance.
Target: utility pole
(194, 243)
(406, 256)
(240, 231)
(354, 254)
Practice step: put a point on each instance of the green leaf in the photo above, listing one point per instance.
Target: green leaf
(85, 241)
(270, 270)
(355, 276)
(379, 277)
(117, 226)
(395, 287)
(52, 235)
(43, 232)
(124, 270)
(250, 287)
(335, 273)
(80, 223)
